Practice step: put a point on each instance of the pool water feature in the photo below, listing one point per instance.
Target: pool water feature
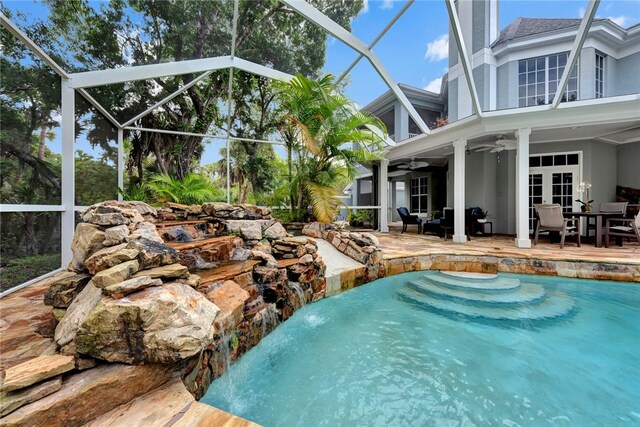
(372, 356)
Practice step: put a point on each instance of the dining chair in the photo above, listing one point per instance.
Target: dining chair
(628, 227)
(550, 218)
(610, 208)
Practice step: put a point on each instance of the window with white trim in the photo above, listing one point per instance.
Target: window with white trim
(420, 194)
(599, 75)
(538, 80)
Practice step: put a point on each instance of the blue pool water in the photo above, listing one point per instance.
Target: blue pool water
(396, 352)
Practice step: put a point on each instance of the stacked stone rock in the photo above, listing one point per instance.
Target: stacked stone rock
(362, 247)
(129, 300)
(127, 297)
(31, 381)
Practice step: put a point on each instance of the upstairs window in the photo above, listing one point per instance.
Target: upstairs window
(538, 80)
(599, 75)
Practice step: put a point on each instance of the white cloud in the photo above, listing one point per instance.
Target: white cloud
(365, 8)
(386, 4)
(621, 20)
(434, 85)
(438, 49)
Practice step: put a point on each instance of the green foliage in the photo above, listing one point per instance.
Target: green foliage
(137, 32)
(19, 270)
(135, 192)
(96, 180)
(329, 138)
(360, 217)
(192, 189)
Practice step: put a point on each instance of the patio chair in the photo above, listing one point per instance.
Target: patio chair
(408, 219)
(609, 207)
(551, 219)
(628, 227)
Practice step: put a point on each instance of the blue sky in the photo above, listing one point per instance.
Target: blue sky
(415, 50)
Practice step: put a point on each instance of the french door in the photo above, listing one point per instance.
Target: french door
(554, 184)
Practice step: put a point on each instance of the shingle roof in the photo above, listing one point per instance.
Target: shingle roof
(523, 27)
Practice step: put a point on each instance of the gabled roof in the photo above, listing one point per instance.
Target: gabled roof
(524, 27)
(413, 93)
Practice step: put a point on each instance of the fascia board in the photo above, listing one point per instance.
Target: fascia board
(439, 137)
(578, 113)
(598, 29)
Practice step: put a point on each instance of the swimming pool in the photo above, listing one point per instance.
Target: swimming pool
(385, 354)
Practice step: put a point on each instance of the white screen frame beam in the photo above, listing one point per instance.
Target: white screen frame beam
(333, 28)
(581, 36)
(464, 56)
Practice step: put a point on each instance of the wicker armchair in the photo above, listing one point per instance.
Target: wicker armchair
(550, 218)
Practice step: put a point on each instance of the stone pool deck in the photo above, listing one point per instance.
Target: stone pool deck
(492, 254)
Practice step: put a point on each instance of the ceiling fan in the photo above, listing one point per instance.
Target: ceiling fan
(500, 144)
(413, 164)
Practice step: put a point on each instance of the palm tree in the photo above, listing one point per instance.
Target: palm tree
(329, 138)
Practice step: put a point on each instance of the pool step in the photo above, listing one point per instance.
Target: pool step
(525, 293)
(557, 304)
(488, 284)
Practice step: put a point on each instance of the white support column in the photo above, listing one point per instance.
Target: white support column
(67, 225)
(459, 156)
(383, 194)
(120, 162)
(522, 189)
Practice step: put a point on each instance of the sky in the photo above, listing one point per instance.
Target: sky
(414, 50)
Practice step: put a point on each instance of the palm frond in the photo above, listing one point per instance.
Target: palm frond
(324, 201)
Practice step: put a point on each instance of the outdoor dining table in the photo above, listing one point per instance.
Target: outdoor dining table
(599, 216)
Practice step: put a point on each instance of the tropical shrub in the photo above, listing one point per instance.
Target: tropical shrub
(192, 189)
(329, 139)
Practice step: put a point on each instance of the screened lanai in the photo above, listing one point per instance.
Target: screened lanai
(98, 94)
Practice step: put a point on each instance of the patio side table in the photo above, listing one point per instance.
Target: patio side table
(483, 227)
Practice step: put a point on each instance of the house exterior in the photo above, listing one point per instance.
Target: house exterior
(520, 149)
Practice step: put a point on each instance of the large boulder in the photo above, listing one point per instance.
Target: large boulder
(63, 291)
(135, 284)
(145, 230)
(248, 229)
(110, 256)
(276, 231)
(153, 253)
(115, 235)
(87, 239)
(115, 274)
(109, 215)
(76, 314)
(217, 209)
(148, 212)
(160, 324)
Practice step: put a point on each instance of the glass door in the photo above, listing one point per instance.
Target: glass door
(552, 185)
(535, 196)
